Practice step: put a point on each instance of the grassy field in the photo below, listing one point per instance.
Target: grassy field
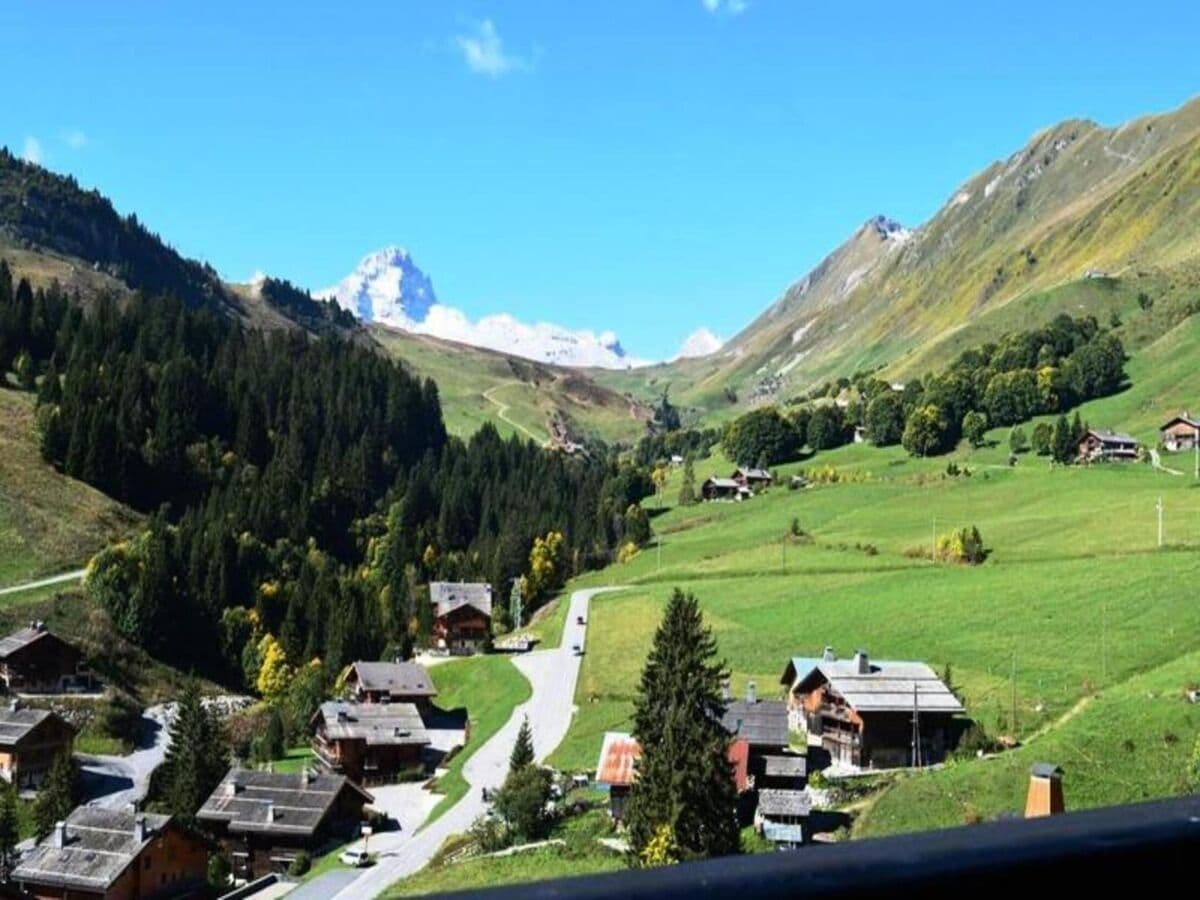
(1076, 611)
(48, 523)
(489, 687)
(515, 395)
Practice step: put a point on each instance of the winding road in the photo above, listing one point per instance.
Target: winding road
(552, 675)
(116, 781)
(502, 412)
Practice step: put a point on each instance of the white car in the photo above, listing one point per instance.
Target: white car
(356, 859)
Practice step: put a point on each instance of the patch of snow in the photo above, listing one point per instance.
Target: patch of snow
(799, 333)
(700, 342)
(1113, 154)
(795, 361)
(387, 287)
(960, 198)
(990, 187)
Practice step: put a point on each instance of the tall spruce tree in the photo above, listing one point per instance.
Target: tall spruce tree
(684, 779)
(9, 828)
(687, 488)
(522, 751)
(57, 796)
(197, 758)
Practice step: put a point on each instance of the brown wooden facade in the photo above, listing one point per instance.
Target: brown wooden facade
(35, 661)
(25, 759)
(1181, 433)
(464, 629)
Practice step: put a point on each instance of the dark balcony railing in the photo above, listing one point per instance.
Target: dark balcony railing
(1110, 847)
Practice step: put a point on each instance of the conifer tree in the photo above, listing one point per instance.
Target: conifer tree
(687, 489)
(522, 751)
(684, 780)
(9, 828)
(57, 796)
(198, 755)
(1064, 443)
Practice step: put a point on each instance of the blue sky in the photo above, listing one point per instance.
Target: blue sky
(644, 166)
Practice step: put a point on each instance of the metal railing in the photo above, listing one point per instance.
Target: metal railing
(1110, 847)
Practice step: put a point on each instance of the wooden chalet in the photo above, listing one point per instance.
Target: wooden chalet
(758, 751)
(30, 741)
(462, 615)
(1045, 796)
(782, 817)
(370, 743)
(1105, 445)
(33, 660)
(1181, 432)
(752, 478)
(115, 855)
(863, 710)
(615, 769)
(390, 682)
(264, 819)
(714, 488)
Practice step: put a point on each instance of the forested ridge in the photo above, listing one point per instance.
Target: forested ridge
(302, 490)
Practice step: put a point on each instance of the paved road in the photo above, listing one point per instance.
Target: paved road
(553, 675)
(77, 575)
(115, 781)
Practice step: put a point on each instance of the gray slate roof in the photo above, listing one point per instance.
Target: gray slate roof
(887, 686)
(448, 596)
(1045, 770)
(727, 483)
(99, 846)
(1108, 436)
(762, 724)
(752, 472)
(407, 678)
(785, 766)
(20, 639)
(15, 725)
(379, 724)
(783, 803)
(243, 798)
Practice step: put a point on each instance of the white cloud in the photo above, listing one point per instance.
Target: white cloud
(32, 151)
(484, 53)
(700, 342)
(76, 139)
(729, 7)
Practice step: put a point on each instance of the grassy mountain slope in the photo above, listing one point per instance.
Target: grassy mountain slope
(1077, 198)
(516, 395)
(49, 523)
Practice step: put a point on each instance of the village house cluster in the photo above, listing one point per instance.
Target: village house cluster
(741, 485)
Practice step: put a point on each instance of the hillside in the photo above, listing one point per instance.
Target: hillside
(1079, 200)
(49, 523)
(536, 400)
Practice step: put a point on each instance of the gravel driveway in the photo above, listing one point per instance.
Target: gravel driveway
(553, 675)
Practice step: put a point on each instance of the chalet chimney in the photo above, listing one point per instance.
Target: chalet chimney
(306, 777)
(139, 828)
(60, 835)
(726, 693)
(14, 705)
(270, 812)
(1045, 796)
(751, 692)
(828, 655)
(231, 788)
(862, 663)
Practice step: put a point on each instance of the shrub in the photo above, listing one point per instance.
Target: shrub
(627, 552)
(1017, 442)
(489, 834)
(301, 864)
(1043, 438)
(965, 546)
(974, 426)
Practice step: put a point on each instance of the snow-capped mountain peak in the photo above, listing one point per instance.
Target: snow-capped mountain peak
(388, 287)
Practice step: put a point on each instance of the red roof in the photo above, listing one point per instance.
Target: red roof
(739, 758)
(617, 756)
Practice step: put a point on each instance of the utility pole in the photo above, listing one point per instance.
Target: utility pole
(1159, 507)
(1104, 639)
(783, 553)
(933, 542)
(1196, 448)
(658, 551)
(1012, 720)
(916, 730)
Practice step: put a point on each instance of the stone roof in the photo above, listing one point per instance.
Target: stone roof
(17, 724)
(448, 596)
(763, 723)
(406, 678)
(22, 638)
(877, 685)
(97, 846)
(1108, 436)
(783, 803)
(617, 756)
(785, 766)
(274, 802)
(1185, 417)
(1045, 770)
(722, 482)
(379, 724)
(753, 472)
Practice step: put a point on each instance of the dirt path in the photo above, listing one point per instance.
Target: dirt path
(502, 412)
(76, 575)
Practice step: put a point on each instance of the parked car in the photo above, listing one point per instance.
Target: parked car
(356, 859)
(579, 620)
(577, 649)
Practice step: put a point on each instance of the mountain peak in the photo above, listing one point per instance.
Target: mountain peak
(887, 228)
(386, 286)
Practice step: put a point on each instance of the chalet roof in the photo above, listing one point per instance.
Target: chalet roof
(448, 596)
(728, 483)
(379, 724)
(763, 723)
(1108, 436)
(99, 845)
(18, 724)
(785, 766)
(1045, 770)
(617, 756)
(1185, 417)
(23, 637)
(877, 685)
(753, 472)
(274, 802)
(773, 802)
(406, 678)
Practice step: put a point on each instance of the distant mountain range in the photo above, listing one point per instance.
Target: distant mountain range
(387, 287)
